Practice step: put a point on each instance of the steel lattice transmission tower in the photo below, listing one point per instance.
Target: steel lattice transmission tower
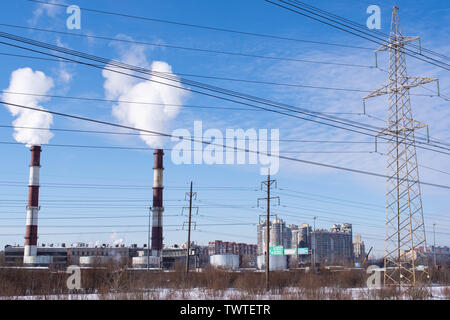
(404, 229)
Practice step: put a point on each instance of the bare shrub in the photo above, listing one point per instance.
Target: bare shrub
(385, 293)
(418, 293)
(252, 282)
(445, 292)
(336, 293)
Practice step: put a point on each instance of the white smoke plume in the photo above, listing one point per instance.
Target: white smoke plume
(144, 116)
(25, 80)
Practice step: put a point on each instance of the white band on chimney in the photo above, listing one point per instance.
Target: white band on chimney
(157, 217)
(30, 250)
(157, 177)
(32, 216)
(34, 176)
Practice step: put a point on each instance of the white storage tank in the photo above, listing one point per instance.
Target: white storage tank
(229, 261)
(276, 262)
(141, 262)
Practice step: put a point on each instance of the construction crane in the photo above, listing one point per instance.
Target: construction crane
(367, 256)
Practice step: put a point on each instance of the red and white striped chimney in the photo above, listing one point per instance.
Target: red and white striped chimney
(158, 209)
(30, 249)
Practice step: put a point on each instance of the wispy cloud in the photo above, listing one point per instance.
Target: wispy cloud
(45, 10)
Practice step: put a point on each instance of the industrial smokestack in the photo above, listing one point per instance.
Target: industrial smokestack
(158, 209)
(30, 249)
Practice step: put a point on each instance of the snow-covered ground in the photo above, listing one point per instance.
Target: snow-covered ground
(437, 293)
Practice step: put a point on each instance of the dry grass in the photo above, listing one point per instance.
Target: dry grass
(445, 292)
(115, 281)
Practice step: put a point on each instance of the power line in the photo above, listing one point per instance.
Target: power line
(440, 95)
(177, 81)
(230, 53)
(326, 201)
(356, 215)
(371, 31)
(243, 32)
(204, 27)
(170, 149)
(361, 33)
(130, 186)
(126, 101)
(89, 217)
(353, 223)
(205, 87)
(333, 198)
(221, 205)
(214, 78)
(320, 210)
(423, 166)
(220, 145)
(243, 223)
(225, 138)
(81, 233)
(325, 211)
(126, 226)
(332, 214)
(226, 234)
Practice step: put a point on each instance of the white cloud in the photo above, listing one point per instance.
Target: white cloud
(25, 80)
(125, 88)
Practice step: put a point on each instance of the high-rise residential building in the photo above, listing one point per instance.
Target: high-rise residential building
(333, 246)
(280, 235)
(224, 247)
(359, 250)
(261, 237)
(305, 235)
(300, 235)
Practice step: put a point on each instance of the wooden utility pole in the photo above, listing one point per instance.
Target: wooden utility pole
(434, 244)
(267, 231)
(189, 233)
(314, 247)
(148, 238)
(268, 184)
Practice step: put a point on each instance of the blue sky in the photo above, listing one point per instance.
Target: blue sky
(126, 175)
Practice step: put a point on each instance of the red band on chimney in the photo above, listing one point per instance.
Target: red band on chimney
(31, 235)
(159, 153)
(33, 196)
(35, 156)
(157, 238)
(157, 197)
(157, 230)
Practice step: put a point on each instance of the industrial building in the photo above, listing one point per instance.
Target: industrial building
(56, 256)
(84, 255)
(32, 255)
